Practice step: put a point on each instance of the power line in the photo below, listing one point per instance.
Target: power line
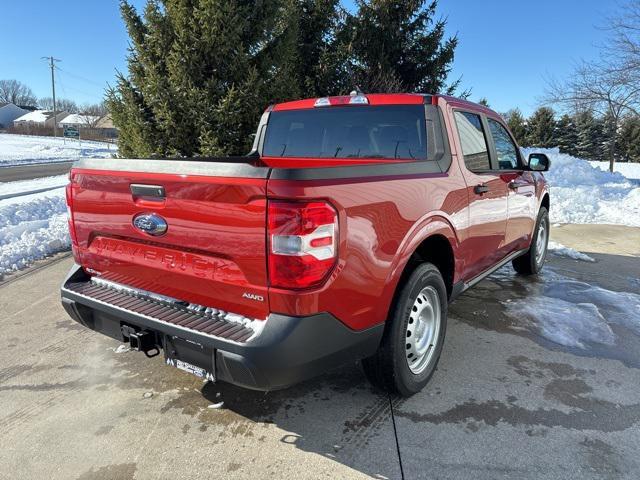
(53, 90)
(80, 77)
(65, 86)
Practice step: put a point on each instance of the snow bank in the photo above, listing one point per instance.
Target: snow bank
(32, 227)
(10, 188)
(25, 149)
(629, 170)
(581, 193)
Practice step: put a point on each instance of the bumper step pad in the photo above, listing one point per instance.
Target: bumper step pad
(174, 314)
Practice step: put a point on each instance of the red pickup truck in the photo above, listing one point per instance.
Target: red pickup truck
(342, 236)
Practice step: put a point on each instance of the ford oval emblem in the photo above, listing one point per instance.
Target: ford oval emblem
(150, 223)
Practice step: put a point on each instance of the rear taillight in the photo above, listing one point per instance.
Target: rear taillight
(72, 230)
(303, 243)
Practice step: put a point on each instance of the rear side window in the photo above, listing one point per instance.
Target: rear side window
(505, 148)
(389, 131)
(473, 141)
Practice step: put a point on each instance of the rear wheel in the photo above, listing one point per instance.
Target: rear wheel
(414, 335)
(532, 262)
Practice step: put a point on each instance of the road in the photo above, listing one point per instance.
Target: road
(28, 172)
(506, 401)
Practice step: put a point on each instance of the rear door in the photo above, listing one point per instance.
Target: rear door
(212, 251)
(519, 183)
(487, 195)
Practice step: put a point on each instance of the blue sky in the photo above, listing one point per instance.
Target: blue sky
(506, 49)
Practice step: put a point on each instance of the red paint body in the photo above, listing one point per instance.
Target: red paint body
(215, 249)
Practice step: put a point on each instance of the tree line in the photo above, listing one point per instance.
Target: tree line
(581, 134)
(201, 72)
(20, 94)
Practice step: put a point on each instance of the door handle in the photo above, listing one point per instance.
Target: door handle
(480, 189)
(513, 185)
(154, 192)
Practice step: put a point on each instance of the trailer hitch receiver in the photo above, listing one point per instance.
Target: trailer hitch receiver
(141, 341)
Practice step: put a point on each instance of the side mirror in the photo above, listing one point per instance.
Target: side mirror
(539, 162)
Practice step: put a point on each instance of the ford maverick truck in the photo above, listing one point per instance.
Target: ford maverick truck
(342, 236)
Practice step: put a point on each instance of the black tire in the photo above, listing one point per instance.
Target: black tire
(388, 369)
(530, 263)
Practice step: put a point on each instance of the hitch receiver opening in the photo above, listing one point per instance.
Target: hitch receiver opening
(141, 341)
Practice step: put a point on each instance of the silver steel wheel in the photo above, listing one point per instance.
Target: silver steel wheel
(423, 329)
(541, 242)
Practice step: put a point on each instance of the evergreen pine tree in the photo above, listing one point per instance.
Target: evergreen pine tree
(598, 133)
(542, 128)
(305, 54)
(628, 140)
(589, 136)
(398, 46)
(609, 134)
(518, 126)
(200, 74)
(567, 135)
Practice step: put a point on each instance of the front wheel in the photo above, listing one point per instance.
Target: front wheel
(414, 335)
(532, 262)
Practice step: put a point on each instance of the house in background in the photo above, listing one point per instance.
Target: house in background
(38, 119)
(8, 113)
(106, 127)
(79, 120)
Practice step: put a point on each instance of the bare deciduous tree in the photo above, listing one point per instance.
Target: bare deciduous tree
(609, 86)
(599, 89)
(62, 104)
(15, 92)
(93, 113)
(624, 44)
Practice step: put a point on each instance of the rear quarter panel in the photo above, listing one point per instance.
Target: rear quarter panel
(382, 221)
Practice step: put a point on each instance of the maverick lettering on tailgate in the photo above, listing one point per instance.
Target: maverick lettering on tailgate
(166, 259)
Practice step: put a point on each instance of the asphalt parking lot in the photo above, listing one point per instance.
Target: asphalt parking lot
(506, 402)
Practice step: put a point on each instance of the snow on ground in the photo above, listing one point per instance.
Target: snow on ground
(564, 251)
(32, 227)
(629, 170)
(582, 193)
(26, 149)
(9, 188)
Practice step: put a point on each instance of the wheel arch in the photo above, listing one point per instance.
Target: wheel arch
(434, 241)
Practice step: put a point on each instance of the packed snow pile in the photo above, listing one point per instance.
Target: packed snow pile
(32, 227)
(629, 170)
(564, 251)
(581, 193)
(26, 149)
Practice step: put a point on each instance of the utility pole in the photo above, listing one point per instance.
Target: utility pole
(53, 90)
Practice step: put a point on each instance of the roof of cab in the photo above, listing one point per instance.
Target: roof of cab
(374, 99)
(389, 99)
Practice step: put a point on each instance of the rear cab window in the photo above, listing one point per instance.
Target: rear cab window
(385, 131)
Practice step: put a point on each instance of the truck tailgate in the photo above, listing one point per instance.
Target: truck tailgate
(213, 252)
